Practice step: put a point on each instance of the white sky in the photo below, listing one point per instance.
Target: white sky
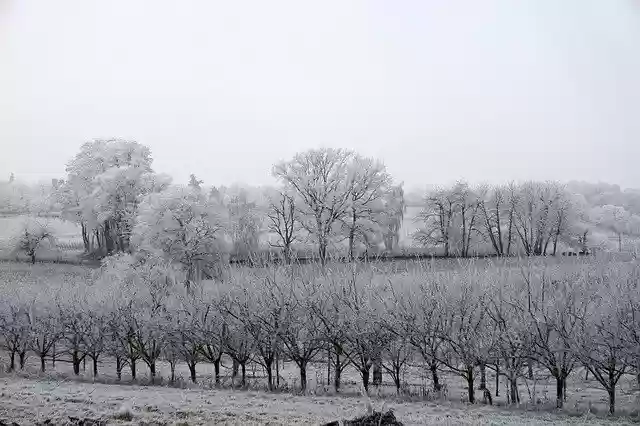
(483, 90)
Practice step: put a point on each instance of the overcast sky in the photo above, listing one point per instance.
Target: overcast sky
(439, 90)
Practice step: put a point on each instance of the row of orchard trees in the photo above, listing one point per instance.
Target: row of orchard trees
(461, 322)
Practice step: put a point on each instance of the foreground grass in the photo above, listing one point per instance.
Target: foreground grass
(27, 401)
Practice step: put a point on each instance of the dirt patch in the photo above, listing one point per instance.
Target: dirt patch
(374, 419)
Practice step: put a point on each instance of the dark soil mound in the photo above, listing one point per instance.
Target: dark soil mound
(72, 421)
(374, 419)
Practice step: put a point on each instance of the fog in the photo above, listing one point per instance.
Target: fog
(486, 91)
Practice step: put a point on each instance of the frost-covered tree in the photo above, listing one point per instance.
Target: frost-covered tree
(14, 328)
(437, 217)
(245, 223)
(534, 215)
(319, 178)
(467, 334)
(497, 209)
(103, 187)
(600, 340)
(450, 219)
(31, 237)
(364, 217)
(617, 220)
(300, 333)
(392, 215)
(185, 228)
(283, 222)
(194, 182)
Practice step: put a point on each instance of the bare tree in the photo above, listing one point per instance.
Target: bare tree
(320, 180)
(437, 217)
(497, 207)
(75, 329)
(301, 333)
(465, 330)
(393, 216)
(467, 205)
(366, 336)
(421, 321)
(549, 304)
(534, 216)
(282, 222)
(14, 329)
(45, 332)
(599, 340)
(330, 310)
(513, 337)
(212, 334)
(370, 184)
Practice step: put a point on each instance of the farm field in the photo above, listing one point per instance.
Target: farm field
(27, 401)
(583, 396)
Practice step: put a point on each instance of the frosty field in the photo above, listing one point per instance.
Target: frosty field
(27, 401)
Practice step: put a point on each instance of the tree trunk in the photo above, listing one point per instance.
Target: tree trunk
(612, 399)
(268, 366)
(95, 366)
(118, 368)
(469, 377)
(75, 359)
(216, 369)
(530, 368)
(483, 376)
(277, 362)
(152, 370)
(620, 242)
(497, 379)
(322, 252)
(172, 366)
(53, 356)
(337, 372)
(243, 366)
(377, 373)
(303, 376)
(85, 238)
(12, 365)
(42, 363)
(434, 376)
(559, 391)
(132, 365)
(352, 232)
(365, 379)
(33, 258)
(328, 365)
(192, 371)
(22, 358)
(513, 385)
(234, 370)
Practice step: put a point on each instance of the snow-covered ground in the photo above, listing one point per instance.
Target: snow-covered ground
(27, 401)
